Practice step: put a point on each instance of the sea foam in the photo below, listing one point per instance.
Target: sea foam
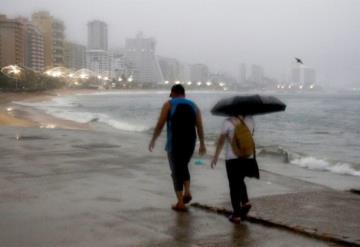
(323, 165)
(65, 108)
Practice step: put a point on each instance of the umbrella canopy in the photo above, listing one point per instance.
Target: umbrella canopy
(247, 105)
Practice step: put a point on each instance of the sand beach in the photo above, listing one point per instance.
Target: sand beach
(13, 115)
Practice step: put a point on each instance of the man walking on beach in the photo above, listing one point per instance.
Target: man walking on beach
(183, 120)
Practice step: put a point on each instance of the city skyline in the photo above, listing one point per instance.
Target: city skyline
(323, 33)
(46, 45)
(223, 35)
(136, 61)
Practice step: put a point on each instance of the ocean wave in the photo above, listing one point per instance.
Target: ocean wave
(308, 162)
(117, 124)
(136, 92)
(88, 117)
(323, 165)
(278, 152)
(54, 102)
(66, 109)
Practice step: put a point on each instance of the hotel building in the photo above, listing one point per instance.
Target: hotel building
(54, 37)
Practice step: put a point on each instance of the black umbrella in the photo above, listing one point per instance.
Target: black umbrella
(247, 105)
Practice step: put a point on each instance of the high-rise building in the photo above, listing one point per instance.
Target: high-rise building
(199, 73)
(172, 70)
(302, 75)
(53, 33)
(74, 55)
(34, 47)
(242, 73)
(119, 69)
(22, 43)
(98, 58)
(309, 76)
(58, 42)
(43, 21)
(185, 72)
(97, 35)
(296, 75)
(12, 41)
(99, 62)
(140, 54)
(221, 77)
(257, 74)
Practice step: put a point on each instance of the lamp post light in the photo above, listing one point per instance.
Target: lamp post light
(14, 72)
(84, 76)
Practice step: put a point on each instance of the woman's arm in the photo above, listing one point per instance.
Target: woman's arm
(219, 147)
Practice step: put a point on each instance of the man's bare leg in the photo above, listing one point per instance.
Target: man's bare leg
(187, 194)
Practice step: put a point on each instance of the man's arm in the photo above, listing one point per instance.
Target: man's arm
(200, 132)
(160, 124)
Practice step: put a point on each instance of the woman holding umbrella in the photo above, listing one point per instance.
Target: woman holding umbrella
(240, 154)
(234, 167)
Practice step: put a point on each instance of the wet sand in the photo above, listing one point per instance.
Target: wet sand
(21, 116)
(88, 188)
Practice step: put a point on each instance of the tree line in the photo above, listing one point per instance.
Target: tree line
(29, 81)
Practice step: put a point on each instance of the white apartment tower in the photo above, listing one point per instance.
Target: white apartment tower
(199, 73)
(140, 55)
(242, 73)
(257, 74)
(97, 56)
(302, 75)
(97, 35)
(74, 55)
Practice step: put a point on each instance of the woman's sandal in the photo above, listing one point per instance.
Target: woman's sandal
(245, 210)
(234, 219)
(178, 208)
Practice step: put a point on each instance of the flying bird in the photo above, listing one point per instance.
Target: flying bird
(298, 60)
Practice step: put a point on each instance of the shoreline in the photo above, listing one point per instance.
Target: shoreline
(16, 115)
(23, 116)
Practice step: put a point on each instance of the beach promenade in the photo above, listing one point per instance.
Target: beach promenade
(88, 188)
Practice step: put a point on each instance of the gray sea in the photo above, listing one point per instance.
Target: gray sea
(317, 131)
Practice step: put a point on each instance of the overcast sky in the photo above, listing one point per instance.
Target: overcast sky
(225, 33)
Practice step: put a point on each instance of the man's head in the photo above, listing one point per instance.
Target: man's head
(177, 91)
